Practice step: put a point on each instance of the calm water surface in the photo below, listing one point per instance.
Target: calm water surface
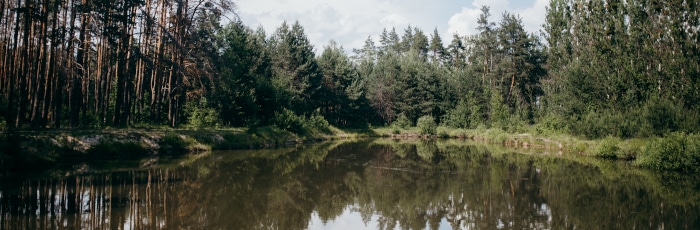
(371, 184)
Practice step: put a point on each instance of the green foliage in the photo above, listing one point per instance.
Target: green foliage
(426, 125)
(662, 116)
(242, 92)
(299, 124)
(499, 112)
(295, 69)
(318, 123)
(442, 132)
(608, 148)
(597, 124)
(265, 136)
(550, 124)
(459, 117)
(288, 120)
(634, 75)
(344, 103)
(395, 130)
(677, 151)
(657, 117)
(173, 142)
(402, 122)
(201, 115)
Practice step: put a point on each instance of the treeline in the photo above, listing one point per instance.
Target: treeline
(488, 79)
(104, 63)
(623, 68)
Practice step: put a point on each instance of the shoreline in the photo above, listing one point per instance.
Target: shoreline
(44, 148)
(28, 150)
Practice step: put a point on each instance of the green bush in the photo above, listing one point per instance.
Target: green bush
(299, 124)
(200, 115)
(426, 125)
(319, 123)
(172, 142)
(443, 133)
(402, 122)
(677, 151)
(457, 117)
(662, 116)
(623, 124)
(289, 121)
(395, 130)
(499, 112)
(608, 148)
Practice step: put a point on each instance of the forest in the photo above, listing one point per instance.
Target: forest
(595, 69)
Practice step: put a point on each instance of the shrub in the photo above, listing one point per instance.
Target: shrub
(608, 148)
(458, 117)
(426, 125)
(443, 133)
(580, 147)
(288, 120)
(200, 115)
(662, 116)
(319, 123)
(677, 151)
(499, 112)
(172, 142)
(395, 130)
(402, 122)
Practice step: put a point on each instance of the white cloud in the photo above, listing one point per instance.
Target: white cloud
(393, 20)
(464, 22)
(534, 17)
(350, 22)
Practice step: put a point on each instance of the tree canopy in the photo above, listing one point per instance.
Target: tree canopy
(596, 68)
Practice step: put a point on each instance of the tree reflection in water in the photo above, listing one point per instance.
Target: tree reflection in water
(387, 184)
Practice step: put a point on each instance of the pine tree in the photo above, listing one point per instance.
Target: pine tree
(437, 49)
(296, 70)
(456, 51)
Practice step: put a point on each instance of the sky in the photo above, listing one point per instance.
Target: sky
(351, 22)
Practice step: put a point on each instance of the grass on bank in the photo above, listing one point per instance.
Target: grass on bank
(678, 151)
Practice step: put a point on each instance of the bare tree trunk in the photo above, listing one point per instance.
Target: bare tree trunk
(85, 61)
(73, 78)
(24, 65)
(512, 81)
(51, 72)
(38, 76)
(12, 110)
(157, 79)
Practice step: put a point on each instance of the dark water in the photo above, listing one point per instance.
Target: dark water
(373, 184)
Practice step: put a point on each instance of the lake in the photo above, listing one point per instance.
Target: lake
(363, 184)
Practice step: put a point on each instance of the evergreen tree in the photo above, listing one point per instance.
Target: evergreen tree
(520, 67)
(437, 49)
(457, 52)
(382, 86)
(296, 71)
(485, 46)
(342, 93)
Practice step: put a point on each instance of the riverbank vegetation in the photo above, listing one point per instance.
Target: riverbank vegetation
(45, 149)
(612, 70)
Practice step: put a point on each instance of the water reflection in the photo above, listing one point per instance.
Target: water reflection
(380, 184)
